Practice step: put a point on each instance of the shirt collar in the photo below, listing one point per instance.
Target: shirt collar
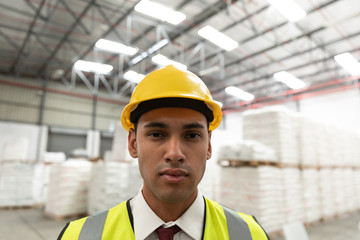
(146, 221)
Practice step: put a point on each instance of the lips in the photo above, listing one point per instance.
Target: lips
(173, 175)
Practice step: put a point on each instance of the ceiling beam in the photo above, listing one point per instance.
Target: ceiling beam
(64, 38)
(29, 32)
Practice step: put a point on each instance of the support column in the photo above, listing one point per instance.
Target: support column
(93, 119)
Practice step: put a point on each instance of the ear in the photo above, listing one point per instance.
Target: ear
(209, 153)
(132, 146)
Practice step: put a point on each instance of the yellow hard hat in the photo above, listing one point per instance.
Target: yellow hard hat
(171, 87)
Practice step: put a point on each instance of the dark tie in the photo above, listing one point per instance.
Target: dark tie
(167, 233)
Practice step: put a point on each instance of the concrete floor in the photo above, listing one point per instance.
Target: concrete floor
(31, 224)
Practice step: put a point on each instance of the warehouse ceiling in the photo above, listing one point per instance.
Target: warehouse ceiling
(42, 39)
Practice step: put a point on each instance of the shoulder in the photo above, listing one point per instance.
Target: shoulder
(235, 218)
(73, 229)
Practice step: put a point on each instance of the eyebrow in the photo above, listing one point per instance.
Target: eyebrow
(193, 125)
(156, 124)
(163, 125)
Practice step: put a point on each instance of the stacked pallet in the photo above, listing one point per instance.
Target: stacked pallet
(307, 141)
(112, 183)
(335, 146)
(20, 184)
(326, 193)
(356, 195)
(311, 199)
(67, 189)
(206, 186)
(119, 151)
(343, 188)
(351, 149)
(256, 191)
(349, 189)
(293, 202)
(247, 150)
(276, 128)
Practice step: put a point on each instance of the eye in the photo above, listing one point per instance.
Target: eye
(155, 134)
(192, 135)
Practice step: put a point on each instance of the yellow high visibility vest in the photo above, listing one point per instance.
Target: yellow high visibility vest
(221, 223)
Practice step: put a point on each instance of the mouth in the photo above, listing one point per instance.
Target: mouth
(173, 175)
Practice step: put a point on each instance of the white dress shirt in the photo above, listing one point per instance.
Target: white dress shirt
(146, 221)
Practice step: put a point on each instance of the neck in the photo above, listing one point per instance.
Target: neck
(169, 211)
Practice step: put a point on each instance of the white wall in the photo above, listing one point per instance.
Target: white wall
(341, 108)
(22, 138)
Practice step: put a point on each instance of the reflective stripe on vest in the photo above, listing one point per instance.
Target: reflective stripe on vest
(237, 227)
(93, 227)
(221, 223)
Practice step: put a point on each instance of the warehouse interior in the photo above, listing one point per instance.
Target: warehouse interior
(288, 83)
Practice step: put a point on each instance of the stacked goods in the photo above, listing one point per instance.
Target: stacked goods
(335, 146)
(307, 141)
(206, 186)
(15, 150)
(256, 191)
(356, 194)
(326, 192)
(349, 189)
(339, 194)
(351, 149)
(322, 144)
(20, 184)
(311, 198)
(293, 203)
(112, 183)
(275, 127)
(67, 188)
(119, 149)
(247, 150)
(53, 157)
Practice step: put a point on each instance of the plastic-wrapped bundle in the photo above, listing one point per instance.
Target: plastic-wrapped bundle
(356, 194)
(293, 203)
(21, 184)
(119, 150)
(311, 196)
(326, 191)
(112, 183)
(275, 127)
(307, 141)
(247, 150)
(256, 191)
(67, 188)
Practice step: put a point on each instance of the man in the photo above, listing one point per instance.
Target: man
(170, 117)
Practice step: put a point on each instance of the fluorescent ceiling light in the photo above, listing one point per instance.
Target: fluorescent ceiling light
(159, 11)
(209, 70)
(115, 47)
(164, 61)
(289, 9)
(218, 38)
(237, 92)
(349, 63)
(289, 80)
(92, 67)
(133, 76)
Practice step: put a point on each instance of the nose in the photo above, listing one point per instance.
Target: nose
(174, 153)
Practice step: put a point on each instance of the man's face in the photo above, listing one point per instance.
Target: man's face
(172, 146)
